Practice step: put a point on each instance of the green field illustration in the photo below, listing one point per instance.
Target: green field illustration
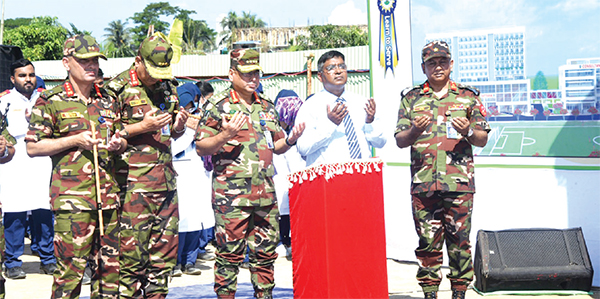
(543, 138)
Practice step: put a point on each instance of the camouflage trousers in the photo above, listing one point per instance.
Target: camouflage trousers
(77, 242)
(2, 248)
(439, 217)
(237, 228)
(149, 239)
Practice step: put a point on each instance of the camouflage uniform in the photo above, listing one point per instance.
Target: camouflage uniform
(12, 140)
(58, 113)
(442, 181)
(150, 216)
(243, 193)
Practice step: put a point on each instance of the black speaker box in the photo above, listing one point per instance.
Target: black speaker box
(532, 259)
(8, 54)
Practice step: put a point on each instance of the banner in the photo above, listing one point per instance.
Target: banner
(391, 66)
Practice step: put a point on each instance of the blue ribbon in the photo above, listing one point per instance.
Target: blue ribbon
(388, 45)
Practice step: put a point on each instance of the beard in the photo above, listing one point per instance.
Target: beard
(26, 88)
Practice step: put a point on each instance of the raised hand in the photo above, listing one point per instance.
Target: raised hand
(370, 108)
(337, 114)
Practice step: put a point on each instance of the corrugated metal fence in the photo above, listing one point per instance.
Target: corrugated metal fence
(282, 70)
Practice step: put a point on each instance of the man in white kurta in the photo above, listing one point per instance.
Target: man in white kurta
(24, 182)
(325, 139)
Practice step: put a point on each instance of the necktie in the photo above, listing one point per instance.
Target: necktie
(350, 134)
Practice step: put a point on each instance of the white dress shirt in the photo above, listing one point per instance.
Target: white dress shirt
(325, 142)
(24, 180)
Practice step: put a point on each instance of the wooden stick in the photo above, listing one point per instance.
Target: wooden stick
(97, 176)
(191, 115)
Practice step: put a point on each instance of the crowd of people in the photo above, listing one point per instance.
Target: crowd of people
(145, 172)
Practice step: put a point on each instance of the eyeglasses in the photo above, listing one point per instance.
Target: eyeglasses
(250, 75)
(331, 67)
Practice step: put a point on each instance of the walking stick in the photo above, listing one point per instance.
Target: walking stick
(97, 176)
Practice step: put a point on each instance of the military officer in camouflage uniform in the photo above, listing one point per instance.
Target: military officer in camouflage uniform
(60, 127)
(7, 151)
(241, 131)
(441, 120)
(150, 215)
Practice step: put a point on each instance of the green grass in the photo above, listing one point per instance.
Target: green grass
(544, 138)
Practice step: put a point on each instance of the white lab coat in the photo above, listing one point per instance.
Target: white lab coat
(24, 181)
(284, 164)
(194, 186)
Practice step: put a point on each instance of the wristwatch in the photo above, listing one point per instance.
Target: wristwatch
(470, 132)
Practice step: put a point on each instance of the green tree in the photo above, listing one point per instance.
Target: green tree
(75, 31)
(42, 39)
(540, 82)
(330, 36)
(198, 38)
(151, 16)
(231, 23)
(14, 23)
(118, 40)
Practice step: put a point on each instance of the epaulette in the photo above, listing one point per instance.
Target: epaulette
(4, 93)
(216, 98)
(405, 91)
(46, 94)
(263, 96)
(474, 90)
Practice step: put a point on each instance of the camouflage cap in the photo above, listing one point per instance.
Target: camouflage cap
(435, 49)
(156, 51)
(82, 46)
(245, 60)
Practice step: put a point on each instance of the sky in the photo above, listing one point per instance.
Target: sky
(555, 30)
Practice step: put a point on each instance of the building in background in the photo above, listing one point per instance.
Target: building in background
(493, 61)
(579, 81)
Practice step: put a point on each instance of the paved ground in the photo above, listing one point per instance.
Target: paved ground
(402, 284)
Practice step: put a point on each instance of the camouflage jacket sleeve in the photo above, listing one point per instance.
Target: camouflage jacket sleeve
(148, 155)
(57, 114)
(247, 158)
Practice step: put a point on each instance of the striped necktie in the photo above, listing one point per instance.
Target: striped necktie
(350, 134)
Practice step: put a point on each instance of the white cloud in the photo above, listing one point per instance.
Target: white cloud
(444, 16)
(577, 6)
(347, 14)
(218, 20)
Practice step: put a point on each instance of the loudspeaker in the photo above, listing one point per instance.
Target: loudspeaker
(532, 259)
(8, 54)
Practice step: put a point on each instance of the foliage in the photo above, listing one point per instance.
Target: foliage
(330, 36)
(118, 40)
(540, 82)
(232, 22)
(593, 110)
(75, 31)
(14, 23)
(518, 111)
(41, 39)
(534, 112)
(575, 112)
(151, 16)
(198, 38)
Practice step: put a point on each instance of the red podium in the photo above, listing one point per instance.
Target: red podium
(338, 231)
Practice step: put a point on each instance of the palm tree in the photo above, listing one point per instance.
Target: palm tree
(118, 40)
(249, 20)
(229, 24)
(232, 22)
(197, 36)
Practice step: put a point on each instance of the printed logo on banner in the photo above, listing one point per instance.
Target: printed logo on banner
(388, 45)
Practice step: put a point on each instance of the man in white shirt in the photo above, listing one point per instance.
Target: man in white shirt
(330, 136)
(25, 172)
